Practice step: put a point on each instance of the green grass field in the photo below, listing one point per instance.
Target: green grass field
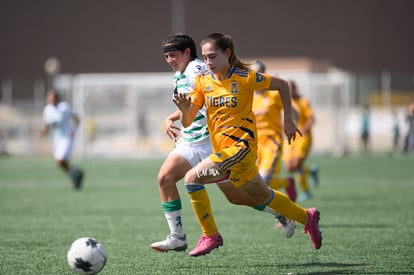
(366, 204)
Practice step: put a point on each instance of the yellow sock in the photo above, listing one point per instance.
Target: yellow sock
(278, 183)
(303, 181)
(202, 208)
(287, 208)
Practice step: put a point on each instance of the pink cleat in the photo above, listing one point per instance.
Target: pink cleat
(206, 244)
(291, 189)
(312, 227)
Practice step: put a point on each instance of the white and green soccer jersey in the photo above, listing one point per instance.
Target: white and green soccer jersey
(197, 131)
(59, 120)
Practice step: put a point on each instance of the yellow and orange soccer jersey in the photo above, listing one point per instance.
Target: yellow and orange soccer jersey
(229, 102)
(268, 108)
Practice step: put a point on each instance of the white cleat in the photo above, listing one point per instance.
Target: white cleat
(288, 226)
(172, 242)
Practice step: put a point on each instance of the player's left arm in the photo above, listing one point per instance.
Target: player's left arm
(289, 124)
(295, 114)
(75, 120)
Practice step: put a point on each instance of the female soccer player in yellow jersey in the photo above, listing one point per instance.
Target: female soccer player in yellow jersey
(192, 145)
(227, 94)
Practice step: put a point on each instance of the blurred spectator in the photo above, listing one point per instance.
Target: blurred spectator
(396, 133)
(143, 130)
(409, 138)
(90, 131)
(90, 128)
(365, 128)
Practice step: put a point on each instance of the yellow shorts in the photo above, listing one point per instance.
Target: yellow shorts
(269, 153)
(299, 148)
(238, 162)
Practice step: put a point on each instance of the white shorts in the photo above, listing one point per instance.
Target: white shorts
(193, 152)
(62, 148)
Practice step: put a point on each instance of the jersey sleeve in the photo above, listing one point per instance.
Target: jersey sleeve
(196, 70)
(259, 81)
(197, 93)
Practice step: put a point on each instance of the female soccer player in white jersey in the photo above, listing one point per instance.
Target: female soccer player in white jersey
(227, 94)
(192, 145)
(58, 117)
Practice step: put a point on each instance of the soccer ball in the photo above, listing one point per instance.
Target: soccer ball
(86, 256)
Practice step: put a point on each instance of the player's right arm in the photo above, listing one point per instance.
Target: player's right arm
(188, 110)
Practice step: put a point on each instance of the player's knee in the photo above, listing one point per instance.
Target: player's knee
(190, 177)
(166, 179)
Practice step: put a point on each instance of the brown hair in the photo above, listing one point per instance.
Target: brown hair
(223, 42)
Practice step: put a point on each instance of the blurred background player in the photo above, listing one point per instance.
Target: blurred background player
(192, 145)
(268, 109)
(409, 137)
(59, 118)
(295, 154)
